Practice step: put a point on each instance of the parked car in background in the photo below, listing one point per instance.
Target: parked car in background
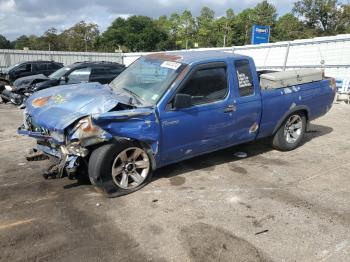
(168, 107)
(102, 72)
(10, 74)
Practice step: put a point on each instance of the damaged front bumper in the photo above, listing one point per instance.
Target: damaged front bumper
(67, 156)
(67, 162)
(68, 159)
(13, 97)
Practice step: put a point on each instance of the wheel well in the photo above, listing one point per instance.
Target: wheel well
(146, 146)
(303, 111)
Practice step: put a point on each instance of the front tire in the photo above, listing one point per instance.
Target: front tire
(290, 133)
(119, 169)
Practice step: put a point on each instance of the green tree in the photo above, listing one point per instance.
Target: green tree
(243, 24)
(289, 27)
(31, 42)
(230, 29)
(220, 29)
(81, 36)
(54, 41)
(265, 13)
(187, 29)
(21, 42)
(205, 23)
(309, 18)
(165, 25)
(319, 14)
(343, 25)
(114, 37)
(37, 43)
(175, 22)
(4, 43)
(224, 29)
(136, 33)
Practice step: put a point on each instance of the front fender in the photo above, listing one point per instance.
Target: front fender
(138, 124)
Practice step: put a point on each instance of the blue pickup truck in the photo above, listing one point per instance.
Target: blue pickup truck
(165, 108)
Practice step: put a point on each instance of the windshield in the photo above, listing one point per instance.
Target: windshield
(8, 69)
(147, 79)
(59, 73)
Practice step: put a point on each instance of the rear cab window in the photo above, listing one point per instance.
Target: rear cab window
(244, 77)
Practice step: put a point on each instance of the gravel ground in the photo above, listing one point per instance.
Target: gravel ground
(270, 206)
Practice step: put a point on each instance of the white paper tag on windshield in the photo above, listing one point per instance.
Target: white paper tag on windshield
(154, 97)
(170, 65)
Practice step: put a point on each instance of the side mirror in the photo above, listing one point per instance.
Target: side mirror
(182, 101)
(64, 79)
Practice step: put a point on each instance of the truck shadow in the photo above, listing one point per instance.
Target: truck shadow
(208, 162)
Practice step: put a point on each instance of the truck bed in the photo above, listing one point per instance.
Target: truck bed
(314, 98)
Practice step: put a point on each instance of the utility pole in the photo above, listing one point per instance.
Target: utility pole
(225, 33)
(85, 40)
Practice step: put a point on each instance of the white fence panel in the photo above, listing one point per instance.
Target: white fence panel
(9, 57)
(333, 52)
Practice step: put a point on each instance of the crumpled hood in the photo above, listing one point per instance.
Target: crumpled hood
(24, 82)
(58, 107)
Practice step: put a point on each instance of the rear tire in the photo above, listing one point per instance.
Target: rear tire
(290, 133)
(119, 169)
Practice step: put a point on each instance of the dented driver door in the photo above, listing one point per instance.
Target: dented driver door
(208, 123)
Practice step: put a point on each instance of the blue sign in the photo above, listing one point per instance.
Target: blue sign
(260, 34)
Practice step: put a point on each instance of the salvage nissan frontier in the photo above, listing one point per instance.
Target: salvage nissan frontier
(168, 107)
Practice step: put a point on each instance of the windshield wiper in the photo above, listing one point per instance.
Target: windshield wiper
(134, 96)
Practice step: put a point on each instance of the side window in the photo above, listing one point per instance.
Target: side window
(99, 71)
(41, 66)
(207, 85)
(245, 78)
(53, 66)
(23, 68)
(115, 70)
(79, 75)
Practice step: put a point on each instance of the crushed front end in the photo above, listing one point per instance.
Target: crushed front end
(72, 147)
(68, 151)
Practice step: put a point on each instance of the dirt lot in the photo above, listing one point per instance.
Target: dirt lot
(270, 206)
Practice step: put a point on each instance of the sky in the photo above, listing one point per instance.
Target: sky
(18, 17)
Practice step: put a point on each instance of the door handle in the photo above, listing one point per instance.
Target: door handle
(230, 109)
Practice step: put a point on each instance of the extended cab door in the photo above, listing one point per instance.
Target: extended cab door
(208, 123)
(247, 100)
